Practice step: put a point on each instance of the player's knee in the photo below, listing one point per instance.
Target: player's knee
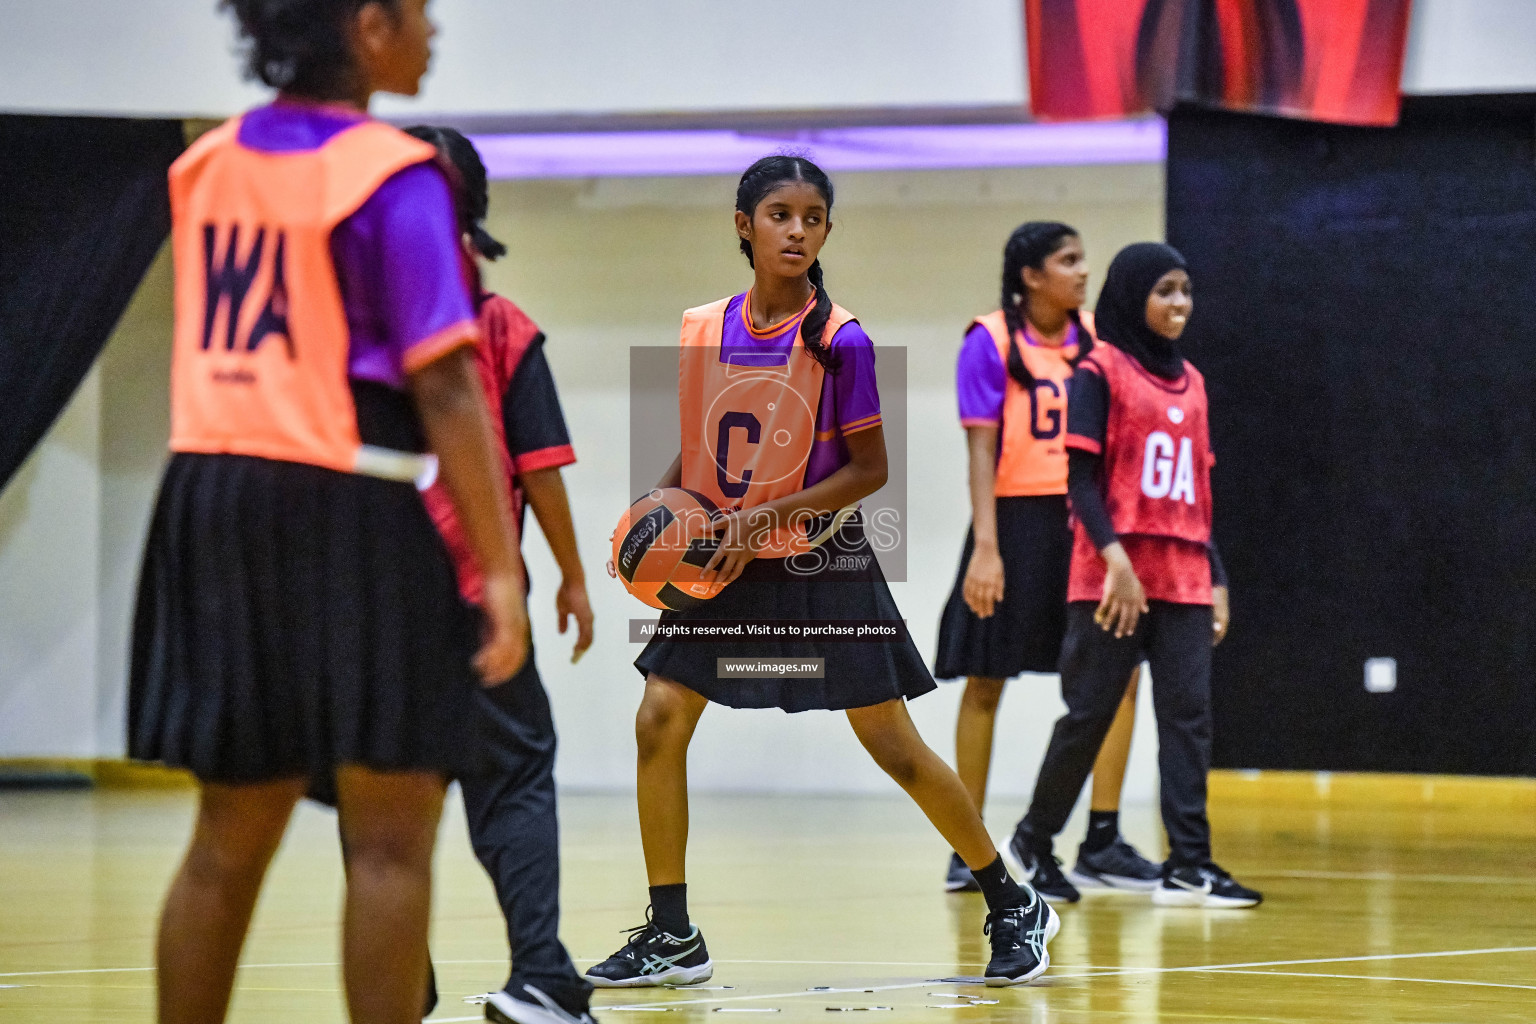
(982, 695)
(902, 765)
(660, 724)
(1187, 706)
(376, 847)
(230, 861)
(894, 752)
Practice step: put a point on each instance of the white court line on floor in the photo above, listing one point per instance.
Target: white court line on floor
(946, 964)
(1116, 972)
(1389, 876)
(799, 994)
(1302, 963)
(1382, 977)
(1104, 971)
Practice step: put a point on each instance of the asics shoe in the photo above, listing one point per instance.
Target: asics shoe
(1042, 872)
(529, 1004)
(1205, 886)
(1117, 866)
(654, 957)
(1018, 936)
(959, 878)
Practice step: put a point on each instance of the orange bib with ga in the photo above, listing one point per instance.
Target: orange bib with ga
(747, 430)
(259, 364)
(1032, 459)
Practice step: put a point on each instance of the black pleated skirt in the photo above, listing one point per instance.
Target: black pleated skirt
(1025, 630)
(849, 586)
(292, 618)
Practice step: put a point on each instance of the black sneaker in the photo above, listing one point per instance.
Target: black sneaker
(1117, 866)
(1018, 936)
(1206, 886)
(1044, 873)
(959, 878)
(653, 957)
(529, 1004)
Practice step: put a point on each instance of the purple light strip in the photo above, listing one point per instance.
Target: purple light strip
(940, 147)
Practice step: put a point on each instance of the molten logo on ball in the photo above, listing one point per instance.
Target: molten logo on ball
(661, 546)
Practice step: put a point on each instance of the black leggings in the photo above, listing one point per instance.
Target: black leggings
(1176, 640)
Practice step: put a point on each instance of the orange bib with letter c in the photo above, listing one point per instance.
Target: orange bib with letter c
(747, 430)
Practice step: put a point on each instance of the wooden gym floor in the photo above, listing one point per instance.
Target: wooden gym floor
(1388, 899)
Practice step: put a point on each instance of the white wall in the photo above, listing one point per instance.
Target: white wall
(1471, 46)
(521, 58)
(48, 606)
(603, 265)
(518, 59)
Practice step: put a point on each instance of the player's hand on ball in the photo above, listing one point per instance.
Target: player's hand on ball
(504, 650)
(1221, 615)
(984, 580)
(736, 548)
(1125, 602)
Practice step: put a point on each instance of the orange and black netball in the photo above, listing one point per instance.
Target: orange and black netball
(661, 546)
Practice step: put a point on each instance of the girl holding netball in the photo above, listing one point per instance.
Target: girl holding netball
(298, 613)
(1007, 611)
(1146, 581)
(781, 430)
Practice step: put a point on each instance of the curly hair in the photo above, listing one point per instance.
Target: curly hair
(299, 46)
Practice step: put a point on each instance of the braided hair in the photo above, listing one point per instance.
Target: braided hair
(471, 188)
(757, 182)
(1029, 246)
(300, 46)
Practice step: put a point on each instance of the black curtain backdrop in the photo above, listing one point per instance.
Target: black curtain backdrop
(1365, 312)
(83, 210)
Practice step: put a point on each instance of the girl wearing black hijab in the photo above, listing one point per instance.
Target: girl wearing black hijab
(1146, 581)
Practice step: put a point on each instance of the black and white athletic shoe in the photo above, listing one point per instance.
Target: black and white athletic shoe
(1117, 866)
(1206, 886)
(959, 878)
(1018, 936)
(653, 957)
(529, 1004)
(1044, 873)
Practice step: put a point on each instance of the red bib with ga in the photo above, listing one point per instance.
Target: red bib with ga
(1032, 459)
(1157, 450)
(259, 365)
(747, 429)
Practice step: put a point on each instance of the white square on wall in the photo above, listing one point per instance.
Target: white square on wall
(1380, 675)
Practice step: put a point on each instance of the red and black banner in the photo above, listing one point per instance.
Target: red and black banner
(1324, 60)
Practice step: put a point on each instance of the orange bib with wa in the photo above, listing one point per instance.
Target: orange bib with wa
(1032, 459)
(748, 429)
(259, 365)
